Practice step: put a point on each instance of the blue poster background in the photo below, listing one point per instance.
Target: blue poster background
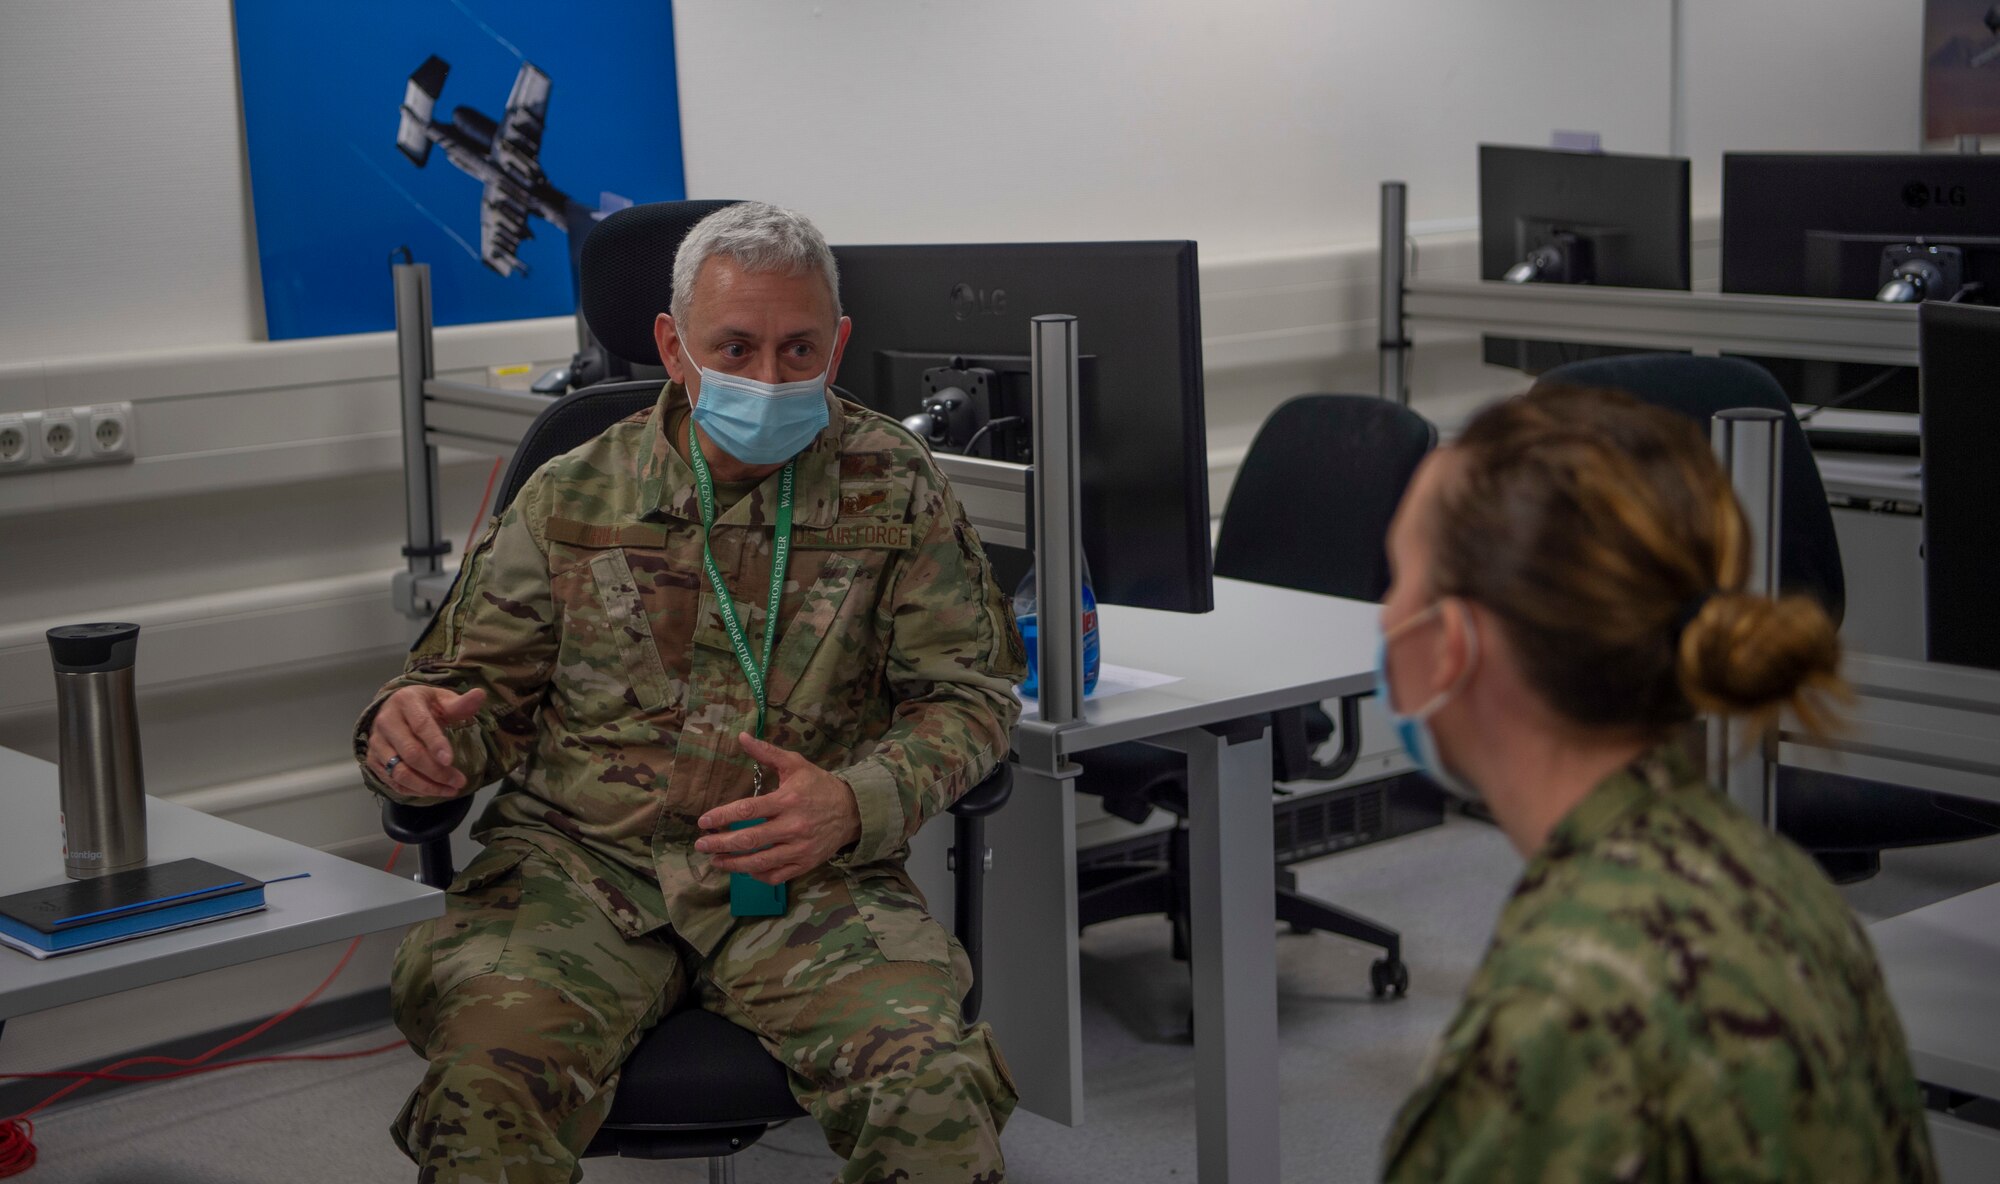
(322, 85)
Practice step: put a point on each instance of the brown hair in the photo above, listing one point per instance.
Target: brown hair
(1606, 538)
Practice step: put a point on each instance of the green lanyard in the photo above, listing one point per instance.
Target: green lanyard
(781, 555)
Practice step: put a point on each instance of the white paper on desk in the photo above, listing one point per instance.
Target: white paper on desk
(1111, 680)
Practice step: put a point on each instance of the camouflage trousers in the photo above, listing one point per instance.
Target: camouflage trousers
(526, 1001)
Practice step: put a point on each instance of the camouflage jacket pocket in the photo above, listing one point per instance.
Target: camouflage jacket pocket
(471, 938)
(897, 918)
(607, 634)
(489, 865)
(817, 618)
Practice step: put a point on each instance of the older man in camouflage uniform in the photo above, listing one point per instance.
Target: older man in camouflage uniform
(586, 657)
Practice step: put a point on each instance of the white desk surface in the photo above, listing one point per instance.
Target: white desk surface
(339, 899)
(1262, 649)
(1943, 967)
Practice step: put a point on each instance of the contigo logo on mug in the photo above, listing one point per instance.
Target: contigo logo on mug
(968, 301)
(1919, 195)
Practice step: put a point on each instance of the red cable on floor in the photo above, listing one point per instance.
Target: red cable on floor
(17, 1133)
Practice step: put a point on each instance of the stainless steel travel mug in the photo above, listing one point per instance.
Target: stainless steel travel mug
(97, 749)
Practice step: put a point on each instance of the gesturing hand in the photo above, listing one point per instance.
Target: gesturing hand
(410, 725)
(808, 818)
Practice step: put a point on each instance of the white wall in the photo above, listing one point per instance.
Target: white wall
(1256, 127)
(262, 518)
(1259, 127)
(1801, 76)
(126, 202)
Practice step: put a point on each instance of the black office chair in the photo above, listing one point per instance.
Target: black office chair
(1845, 822)
(696, 1086)
(1310, 510)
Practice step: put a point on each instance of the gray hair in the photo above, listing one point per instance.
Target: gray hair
(761, 238)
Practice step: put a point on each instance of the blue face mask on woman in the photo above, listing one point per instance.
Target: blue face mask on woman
(1414, 728)
(759, 423)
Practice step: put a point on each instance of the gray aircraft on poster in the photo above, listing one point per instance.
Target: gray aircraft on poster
(505, 157)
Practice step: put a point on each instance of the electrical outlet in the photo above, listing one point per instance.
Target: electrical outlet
(61, 439)
(17, 441)
(110, 436)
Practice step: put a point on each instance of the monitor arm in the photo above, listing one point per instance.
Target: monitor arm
(958, 401)
(1912, 273)
(1564, 259)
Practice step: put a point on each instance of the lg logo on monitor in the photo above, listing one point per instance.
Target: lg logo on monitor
(968, 301)
(1920, 195)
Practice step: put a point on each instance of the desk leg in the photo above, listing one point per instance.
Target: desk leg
(1032, 996)
(1235, 932)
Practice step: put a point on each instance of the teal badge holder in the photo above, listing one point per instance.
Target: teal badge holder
(750, 896)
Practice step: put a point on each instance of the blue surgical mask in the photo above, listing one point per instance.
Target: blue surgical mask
(760, 423)
(1414, 729)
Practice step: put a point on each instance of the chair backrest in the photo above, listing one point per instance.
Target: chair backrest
(1698, 387)
(570, 421)
(627, 278)
(626, 282)
(1311, 506)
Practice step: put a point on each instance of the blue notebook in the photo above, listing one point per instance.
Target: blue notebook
(80, 914)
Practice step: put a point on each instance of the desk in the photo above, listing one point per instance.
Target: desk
(340, 899)
(1261, 650)
(1941, 963)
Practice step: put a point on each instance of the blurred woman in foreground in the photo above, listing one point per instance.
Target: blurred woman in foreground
(1673, 992)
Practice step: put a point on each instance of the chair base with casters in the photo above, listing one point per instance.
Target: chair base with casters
(1146, 778)
(697, 1086)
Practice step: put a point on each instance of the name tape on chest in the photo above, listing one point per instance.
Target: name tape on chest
(841, 536)
(854, 536)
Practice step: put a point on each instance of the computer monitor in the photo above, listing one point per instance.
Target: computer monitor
(1903, 227)
(1558, 217)
(1960, 351)
(931, 320)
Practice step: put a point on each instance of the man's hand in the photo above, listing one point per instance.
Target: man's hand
(410, 725)
(807, 819)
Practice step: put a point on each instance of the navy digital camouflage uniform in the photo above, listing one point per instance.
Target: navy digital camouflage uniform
(614, 702)
(1673, 993)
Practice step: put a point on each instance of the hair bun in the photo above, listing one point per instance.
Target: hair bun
(1753, 656)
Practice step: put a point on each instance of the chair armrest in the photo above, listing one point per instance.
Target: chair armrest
(417, 825)
(987, 796)
(1291, 749)
(428, 829)
(968, 869)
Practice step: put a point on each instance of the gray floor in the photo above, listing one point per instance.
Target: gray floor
(1345, 1059)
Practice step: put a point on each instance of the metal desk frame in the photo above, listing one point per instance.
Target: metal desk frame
(1704, 322)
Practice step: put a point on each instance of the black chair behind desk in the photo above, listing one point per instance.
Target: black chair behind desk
(1310, 510)
(696, 1086)
(1845, 822)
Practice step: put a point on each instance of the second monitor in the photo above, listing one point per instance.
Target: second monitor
(1899, 228)
(941, 339)
(1548, 216)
